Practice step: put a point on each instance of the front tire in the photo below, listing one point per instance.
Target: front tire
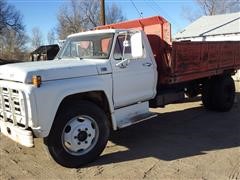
(79, 134)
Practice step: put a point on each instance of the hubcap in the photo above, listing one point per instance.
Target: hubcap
(80, 135)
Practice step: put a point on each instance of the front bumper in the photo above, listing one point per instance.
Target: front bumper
(18, 134)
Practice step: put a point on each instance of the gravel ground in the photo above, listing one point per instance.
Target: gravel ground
(183, 142)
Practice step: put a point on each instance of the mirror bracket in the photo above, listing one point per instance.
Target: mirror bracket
(122, 63)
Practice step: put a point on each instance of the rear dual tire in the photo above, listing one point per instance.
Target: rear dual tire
(218, 94)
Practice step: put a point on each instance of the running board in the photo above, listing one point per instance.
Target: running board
(134, 120)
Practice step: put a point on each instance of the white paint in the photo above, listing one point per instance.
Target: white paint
(49, 70)
(136, 81)
(125, 114)
(137, 46)
(104, 31)
(22, 136)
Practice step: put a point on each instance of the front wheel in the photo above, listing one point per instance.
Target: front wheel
(79, 134)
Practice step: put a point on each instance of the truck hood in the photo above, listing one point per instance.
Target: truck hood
(49, 70)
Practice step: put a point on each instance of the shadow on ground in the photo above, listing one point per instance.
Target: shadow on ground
(176, 135)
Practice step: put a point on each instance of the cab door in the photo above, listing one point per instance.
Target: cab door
(134, 80)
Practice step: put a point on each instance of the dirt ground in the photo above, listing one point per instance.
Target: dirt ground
(183, 142)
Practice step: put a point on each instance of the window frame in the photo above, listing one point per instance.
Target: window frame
(117, 41)
(69, 41)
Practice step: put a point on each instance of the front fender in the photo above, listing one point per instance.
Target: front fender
(51, 93)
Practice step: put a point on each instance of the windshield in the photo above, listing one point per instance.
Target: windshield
(94, 46)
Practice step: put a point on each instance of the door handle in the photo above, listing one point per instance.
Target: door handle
(147, 64)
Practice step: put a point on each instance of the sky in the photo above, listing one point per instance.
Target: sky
(43, 13)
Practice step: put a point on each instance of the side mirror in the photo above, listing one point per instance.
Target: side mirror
(137, 45)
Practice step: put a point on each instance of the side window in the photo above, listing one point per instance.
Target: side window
(118, 50)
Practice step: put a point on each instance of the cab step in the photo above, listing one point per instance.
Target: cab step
(134, 120)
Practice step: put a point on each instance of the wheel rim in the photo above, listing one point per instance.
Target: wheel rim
(80, 135)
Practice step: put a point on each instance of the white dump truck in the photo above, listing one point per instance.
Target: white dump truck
(107, 79)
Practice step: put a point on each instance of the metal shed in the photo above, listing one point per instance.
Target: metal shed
(212, 28)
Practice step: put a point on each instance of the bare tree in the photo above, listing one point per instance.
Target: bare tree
(36, 38)
(12, 45)
(10, 18)
(51, 37)
(189, 14)
(12, 32)
(82, 15)
(114, 14)
(70, 19)
(211, 7)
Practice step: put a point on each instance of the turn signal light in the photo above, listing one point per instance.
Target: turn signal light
(36, 81)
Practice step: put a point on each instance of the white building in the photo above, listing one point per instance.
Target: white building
(224, 27)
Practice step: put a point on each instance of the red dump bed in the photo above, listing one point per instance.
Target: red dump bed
(194, 60)
(183, 61)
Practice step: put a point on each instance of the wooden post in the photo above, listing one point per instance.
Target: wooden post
(102, 12)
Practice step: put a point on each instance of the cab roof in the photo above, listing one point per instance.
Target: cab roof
(104, 31)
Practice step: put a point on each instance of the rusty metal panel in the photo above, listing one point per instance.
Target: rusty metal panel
(226, 55)
(212, 56)
(193, 60)
(187, 58)
(237, 55)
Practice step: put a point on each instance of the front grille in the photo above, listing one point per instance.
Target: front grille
(12, 106)
(10, 101)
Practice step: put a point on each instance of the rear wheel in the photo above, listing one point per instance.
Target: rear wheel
(79, 134)
(224, 94)
(219, 93)
(207, 95)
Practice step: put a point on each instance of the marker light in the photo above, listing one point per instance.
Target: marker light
(36, 81)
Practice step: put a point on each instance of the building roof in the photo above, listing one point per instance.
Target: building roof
(223, 24)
